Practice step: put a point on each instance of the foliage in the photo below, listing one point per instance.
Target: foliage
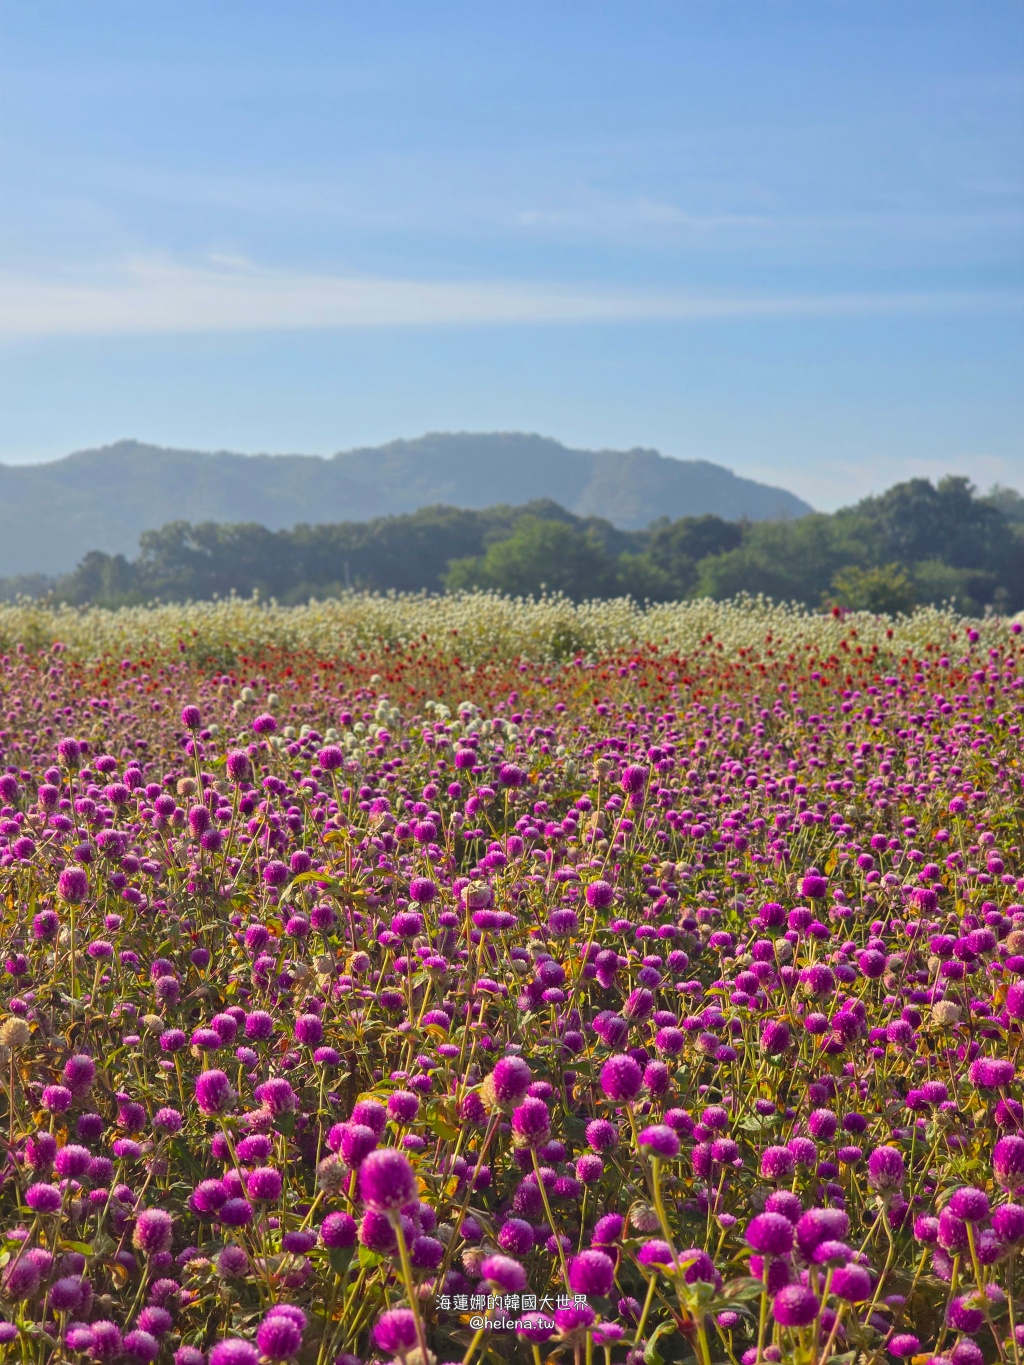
(940, 542)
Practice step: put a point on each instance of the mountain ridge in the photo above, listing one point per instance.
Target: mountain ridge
(102, 498)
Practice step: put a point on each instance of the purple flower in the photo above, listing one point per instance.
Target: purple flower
(903, 1344)
(600, 895)
(852, 1283)
(386, 1180)
(235, 1213)
(79, 1074)
(992, 1073)
(969, 1203)
(659, 1141)
(264, 1185)
(403, 1106)
(338, 1230)
(357, 1142)
(215, 1094)
(395, 1332)
(234, 1352)
(777, 1163)
(592, 1272)
(531, 1123)
(795, 1306)
(886, 1169)
(634, 779)
(141, 1346)
(73, 885)
(602, 1135)
(503, 1272)
(770, 1234)
(154, 1231)
(21, 1279)
(814, 886)
(1008, 1223)
(279, 1335)
(209, 1196)
(516, 1236)
(42, 1198)
(508, 1082)
(621, 1078)
(276, 873)
(1008, 1162)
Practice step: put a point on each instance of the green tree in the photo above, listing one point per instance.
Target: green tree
(884, 589)
(539, 556)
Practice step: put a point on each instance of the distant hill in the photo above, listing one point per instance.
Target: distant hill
(52, 514)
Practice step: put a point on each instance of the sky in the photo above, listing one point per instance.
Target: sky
(787, 237)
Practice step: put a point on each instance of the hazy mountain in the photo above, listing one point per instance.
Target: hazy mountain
(51, 514)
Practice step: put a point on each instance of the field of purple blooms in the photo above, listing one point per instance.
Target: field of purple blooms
(637, 1008)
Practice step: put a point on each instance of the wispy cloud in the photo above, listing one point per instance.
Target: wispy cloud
(229, 295)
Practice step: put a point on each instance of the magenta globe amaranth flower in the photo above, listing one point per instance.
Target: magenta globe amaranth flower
(154, 1231)
(264, 1185)
(771, 1234)
(814, 886)
(1008, 1162)
(395, 1332)
(279, 1335)
(621, 1078)
(507, 1084)
(992, 1073)
(386, 1180)
(659, 1141)
(234, 1351)
(73, 885)
(531, 1123)
(504, 1273)
(592, 1272)
(851, 1282)
(903, 1345)
(795, 1306)
(338, 1231)
(886, 1169)
(215, 1095)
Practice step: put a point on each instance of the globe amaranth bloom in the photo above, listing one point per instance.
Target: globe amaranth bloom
(338, 1230)
(795, 1306)
(154, 1231)
(516, 1236)
(234, 1352)
(507, 1084)
(992, 1073)
(771, 1234)
(969, 1203)
(73, 885)
(531, 1123)
(395, 1331)
(386, 1180)
(886, 1169)
(660, 1141)
(503, 1272)
(215, 1095)
(621, 1078)
(851, 1282)
(279, 1335)
(592, 1272)
(1008, 1162)
(264, 1184)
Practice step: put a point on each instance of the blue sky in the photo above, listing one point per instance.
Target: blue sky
(787, 237)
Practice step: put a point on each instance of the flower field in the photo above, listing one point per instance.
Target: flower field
(467, 980)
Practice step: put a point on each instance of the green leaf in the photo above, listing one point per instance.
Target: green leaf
(652, 1355)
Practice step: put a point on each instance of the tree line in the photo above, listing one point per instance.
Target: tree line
(916, 543)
